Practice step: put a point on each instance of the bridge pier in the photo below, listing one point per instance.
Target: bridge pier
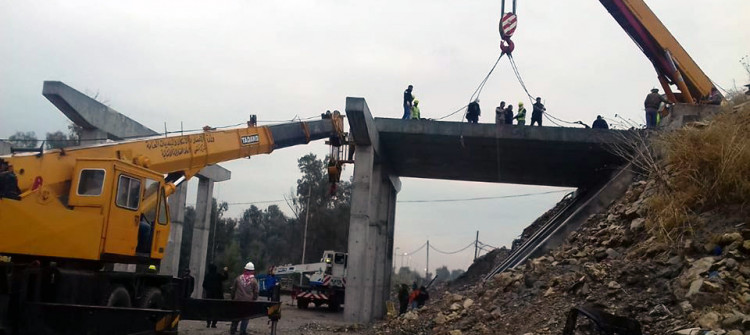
(371, 223)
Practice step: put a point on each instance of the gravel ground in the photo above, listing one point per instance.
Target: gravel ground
(293, 321)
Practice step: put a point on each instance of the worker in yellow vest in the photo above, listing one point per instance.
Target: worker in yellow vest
(415, 110)
(521, 115)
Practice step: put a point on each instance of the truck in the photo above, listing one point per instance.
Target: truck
(326, 280)
(79, 210)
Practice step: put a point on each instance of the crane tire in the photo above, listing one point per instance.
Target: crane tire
(118, 297)
(152, 299)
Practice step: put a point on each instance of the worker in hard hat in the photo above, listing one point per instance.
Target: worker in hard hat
(245, 288)
(521, 115)
(415, 110)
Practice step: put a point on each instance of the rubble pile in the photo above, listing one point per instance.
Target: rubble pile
(696, 284)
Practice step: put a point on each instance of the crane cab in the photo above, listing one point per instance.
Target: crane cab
(110, 211)
(132, 202)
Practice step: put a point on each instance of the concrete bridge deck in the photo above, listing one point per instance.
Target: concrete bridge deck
(387, 149)
(549, 156)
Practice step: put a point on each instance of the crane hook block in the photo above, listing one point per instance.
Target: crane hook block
(507, 46)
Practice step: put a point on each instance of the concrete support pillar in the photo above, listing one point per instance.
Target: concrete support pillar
(171, 262)
(5, 148)
(370, 239)
(201, 230)
(91, 136)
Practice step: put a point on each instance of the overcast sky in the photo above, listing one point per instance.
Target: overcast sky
(214, 63)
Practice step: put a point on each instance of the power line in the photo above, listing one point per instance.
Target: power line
(415, 251)
(453, 252)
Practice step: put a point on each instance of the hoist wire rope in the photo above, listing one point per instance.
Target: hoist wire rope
(451, 252)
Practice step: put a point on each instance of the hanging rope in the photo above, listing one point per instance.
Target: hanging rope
(452, 252)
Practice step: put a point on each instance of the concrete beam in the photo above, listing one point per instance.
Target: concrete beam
(361, 123)
(215, 173)
(91, 114)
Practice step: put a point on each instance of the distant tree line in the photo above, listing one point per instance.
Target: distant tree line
(268, 237)
(54, 140)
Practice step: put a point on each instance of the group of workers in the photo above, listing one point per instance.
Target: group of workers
(653, 104)
(504, 114)
(414, 300)
(244, 288)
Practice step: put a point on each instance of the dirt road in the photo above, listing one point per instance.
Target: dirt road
(293, 321)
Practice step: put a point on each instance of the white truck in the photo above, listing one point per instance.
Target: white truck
(327, 280)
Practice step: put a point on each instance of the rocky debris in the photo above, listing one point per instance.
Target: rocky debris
(319, 327)
(701, 283)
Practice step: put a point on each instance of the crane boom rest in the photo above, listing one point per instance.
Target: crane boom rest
(672, 63)
(80, 210)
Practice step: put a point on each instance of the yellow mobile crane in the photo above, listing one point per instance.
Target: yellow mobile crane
(81, 209)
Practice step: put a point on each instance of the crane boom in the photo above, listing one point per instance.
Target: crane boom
(673, 64)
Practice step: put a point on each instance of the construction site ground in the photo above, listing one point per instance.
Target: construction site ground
(318, 321)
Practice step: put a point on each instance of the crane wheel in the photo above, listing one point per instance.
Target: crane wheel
(334, 306)
(152, 299)
(118, 297)
(302, 303)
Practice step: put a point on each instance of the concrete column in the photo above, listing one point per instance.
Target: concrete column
(201, 230)
(356, 308)
(370, 241)
(5, 148)
(91, 136)
(171, 262)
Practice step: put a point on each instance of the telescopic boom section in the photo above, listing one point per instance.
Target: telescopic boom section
(672, 63)
(186, 154)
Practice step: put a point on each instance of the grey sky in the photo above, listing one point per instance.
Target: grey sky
(215, 63)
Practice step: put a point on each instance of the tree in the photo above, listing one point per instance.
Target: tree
(56, 140)
(23, 139)
(443, 274)
(327, 215)
(456, 273)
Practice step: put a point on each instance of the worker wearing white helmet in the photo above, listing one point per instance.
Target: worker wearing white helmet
(245, 288)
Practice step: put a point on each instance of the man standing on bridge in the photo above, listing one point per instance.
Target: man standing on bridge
(473, 112)
(652, 102)
(408, 99)
(509, 115)
(536, 113)
(600, 123)
(500, 113)
(521, 116)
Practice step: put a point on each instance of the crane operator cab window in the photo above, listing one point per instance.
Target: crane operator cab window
(91, 182)
(148, 217)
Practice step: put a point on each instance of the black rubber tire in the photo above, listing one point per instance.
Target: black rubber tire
(152, 299)
(118, 297)
(334, 305)
(302, 303)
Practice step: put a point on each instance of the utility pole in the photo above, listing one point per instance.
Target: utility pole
(307, 217)
(427, 268)
(476, 246)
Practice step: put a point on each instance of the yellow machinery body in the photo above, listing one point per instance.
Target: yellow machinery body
(88, 203)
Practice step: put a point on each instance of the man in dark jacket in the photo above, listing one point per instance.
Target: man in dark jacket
(600, 123)
(8, 182)
(408, 102)
(422, 297)
(536, 113)
(403, 299)
(509, 115)
(188, 283)
(652, 102)
(213, 288)
(473, 112)
(500, 113)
